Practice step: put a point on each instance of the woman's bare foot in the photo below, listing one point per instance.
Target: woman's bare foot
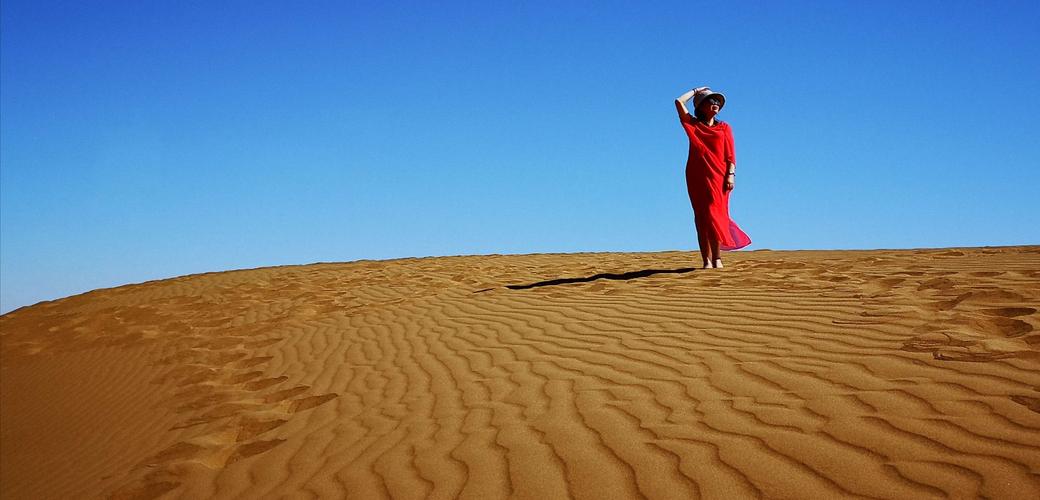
(718, 263)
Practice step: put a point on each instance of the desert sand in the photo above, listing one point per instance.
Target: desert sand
(794, 374)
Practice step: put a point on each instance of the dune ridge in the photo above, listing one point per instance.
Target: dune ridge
(810, 374)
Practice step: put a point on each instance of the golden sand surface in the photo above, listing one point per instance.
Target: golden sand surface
(789, 374)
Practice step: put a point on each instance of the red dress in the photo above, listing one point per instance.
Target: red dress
(711, 148)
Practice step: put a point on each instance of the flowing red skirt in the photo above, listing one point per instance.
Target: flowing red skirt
(711, 211)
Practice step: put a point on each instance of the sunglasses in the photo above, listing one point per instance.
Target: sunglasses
(712, 100)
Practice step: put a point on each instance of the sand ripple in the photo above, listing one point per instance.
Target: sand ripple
(884, 374)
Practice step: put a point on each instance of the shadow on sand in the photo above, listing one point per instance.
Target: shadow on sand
(604, 276)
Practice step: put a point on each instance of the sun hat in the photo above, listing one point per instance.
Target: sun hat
(705, 93)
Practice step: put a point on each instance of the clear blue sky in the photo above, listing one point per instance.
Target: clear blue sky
(145, 140)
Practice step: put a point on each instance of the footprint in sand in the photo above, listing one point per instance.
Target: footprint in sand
(309, 402)
(933, 341)
(1009, 312)
(285, 394)
(991, 294)
(264, 383)
(214, 451)
(936, 284)
(979, 296)
(243, 377)
(1028, 401)
(249, 449)
(250, 428)
(251, 362)
(1007, 327)
(973, 357)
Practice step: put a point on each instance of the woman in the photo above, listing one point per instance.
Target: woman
(710, 174)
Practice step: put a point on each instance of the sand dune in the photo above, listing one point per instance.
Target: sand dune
(886, 374)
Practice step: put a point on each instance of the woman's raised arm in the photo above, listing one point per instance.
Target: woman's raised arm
(680, 102)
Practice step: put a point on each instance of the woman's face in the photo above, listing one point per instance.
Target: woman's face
(709, 107)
